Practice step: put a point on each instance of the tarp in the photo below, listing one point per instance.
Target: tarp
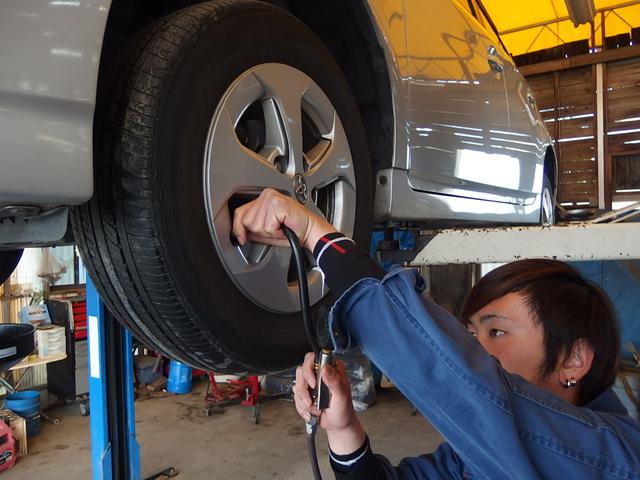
(509, 15)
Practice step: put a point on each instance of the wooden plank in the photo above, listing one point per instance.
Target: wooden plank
(573, 172)
(622, 149)
(576, 129)
(579, 150)
(622, 74)
(576, 94)
(624, 101)
(576, 185)
(578, 165)
(615, 116)
(605, 56)
(568, 109)
(577, 177)
(589, 196)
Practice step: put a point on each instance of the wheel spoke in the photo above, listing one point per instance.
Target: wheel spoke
(276, 136)
(267, 280)
(287, 91)
(247, 90)
(233, 168)
(332, 163)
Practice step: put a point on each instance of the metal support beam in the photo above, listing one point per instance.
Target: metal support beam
(572, 242)
(114, 448)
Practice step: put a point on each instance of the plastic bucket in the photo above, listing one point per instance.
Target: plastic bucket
(26, 404)
(179, 378)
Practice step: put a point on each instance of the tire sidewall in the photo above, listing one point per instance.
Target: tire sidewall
(216, 57)
(9, 260)
(547, 187)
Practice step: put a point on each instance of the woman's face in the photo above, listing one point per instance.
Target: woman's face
(508, 330)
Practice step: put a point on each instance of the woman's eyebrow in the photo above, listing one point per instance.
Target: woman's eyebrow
(492, 316)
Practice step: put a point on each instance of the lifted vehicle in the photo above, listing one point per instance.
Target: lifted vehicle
(151, 121)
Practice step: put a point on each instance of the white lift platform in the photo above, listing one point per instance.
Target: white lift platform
(612, 236)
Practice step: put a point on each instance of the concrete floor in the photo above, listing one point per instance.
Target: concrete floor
(174, 432)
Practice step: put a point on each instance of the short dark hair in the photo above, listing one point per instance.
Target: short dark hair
(568, 307)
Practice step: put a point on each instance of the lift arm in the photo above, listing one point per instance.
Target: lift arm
(568, 242)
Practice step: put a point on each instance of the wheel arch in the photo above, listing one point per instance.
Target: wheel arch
(331, 20)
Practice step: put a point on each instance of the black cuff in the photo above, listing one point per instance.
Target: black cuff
(366, 466)
(344, 263)
(352, 459)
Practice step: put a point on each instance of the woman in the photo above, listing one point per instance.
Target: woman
(528, 397)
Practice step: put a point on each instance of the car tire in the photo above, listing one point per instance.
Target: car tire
(155, 236)
(9, 260)
(547, 203)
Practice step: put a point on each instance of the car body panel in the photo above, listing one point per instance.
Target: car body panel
(452, 87)
(395, 199)
(442, 156)
(388, 19)
(47, 104)
(50, 55)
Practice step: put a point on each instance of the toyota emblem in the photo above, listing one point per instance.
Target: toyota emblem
(300, 189)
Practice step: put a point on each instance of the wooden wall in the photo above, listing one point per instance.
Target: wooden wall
(567, 101)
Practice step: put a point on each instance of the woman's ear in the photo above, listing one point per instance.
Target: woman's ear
(579, 361)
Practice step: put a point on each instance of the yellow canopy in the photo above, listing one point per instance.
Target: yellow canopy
(538, 24)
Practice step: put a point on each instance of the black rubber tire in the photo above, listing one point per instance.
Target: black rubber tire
(9, 260)
(144, 236)
(548, 187)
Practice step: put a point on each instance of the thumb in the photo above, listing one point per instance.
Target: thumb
(331, 378)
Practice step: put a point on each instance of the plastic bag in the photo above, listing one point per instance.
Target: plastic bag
(360, 375)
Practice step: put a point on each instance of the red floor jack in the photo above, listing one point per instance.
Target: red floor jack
(244, 391)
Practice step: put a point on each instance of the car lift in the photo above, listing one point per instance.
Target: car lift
(114, 448)
(115, 451)
(612, 236)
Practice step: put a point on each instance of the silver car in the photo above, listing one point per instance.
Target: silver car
(148, 123)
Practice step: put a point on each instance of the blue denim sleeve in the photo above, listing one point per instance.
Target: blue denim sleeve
(500, 425)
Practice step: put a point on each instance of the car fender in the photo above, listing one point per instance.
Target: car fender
(50, 56)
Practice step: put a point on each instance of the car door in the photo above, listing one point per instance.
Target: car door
(458, 101)
(526, 137)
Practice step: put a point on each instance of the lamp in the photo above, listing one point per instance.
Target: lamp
(581, 11)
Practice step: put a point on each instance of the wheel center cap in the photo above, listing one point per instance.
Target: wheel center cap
(300, 189)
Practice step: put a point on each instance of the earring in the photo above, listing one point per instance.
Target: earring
(570, 383)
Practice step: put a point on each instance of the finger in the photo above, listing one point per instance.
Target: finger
(338, 385)
(278, 242)
(301, 389)
(245, 219)
(332, 379)
(308, 371)
(343, 376)
(302, 410)
(239, 229)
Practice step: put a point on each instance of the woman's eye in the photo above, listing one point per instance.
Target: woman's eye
(494, 332)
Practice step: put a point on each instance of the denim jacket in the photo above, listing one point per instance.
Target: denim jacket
(496, 424)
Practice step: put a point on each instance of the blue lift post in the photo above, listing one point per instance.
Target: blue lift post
(115, 453)
(114, 449)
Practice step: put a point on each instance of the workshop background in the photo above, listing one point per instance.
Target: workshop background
(586, 81)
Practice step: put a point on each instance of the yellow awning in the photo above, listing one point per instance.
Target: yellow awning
(537, 24)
